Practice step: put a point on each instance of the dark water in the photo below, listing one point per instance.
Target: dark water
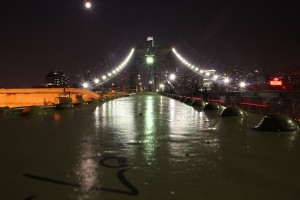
(145, 147)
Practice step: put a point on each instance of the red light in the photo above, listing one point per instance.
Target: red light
(253, 104)
(276, 82)
(213, 100)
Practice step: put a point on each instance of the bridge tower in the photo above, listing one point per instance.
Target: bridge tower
(150, 75)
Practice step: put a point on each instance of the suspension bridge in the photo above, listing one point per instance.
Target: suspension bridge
(164, 143)
(156, 69)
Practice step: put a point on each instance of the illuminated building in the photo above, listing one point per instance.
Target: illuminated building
(56, 79)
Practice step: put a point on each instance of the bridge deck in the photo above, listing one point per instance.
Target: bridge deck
(145, 147)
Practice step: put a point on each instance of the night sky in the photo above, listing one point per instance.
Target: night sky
(38, 36)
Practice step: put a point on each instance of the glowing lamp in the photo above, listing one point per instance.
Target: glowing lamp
(96, 80)
(150, 60)
(242, 84)
(85, 85)
(172, 77)
(226, 80)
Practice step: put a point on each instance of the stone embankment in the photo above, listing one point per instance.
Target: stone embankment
(51, 97)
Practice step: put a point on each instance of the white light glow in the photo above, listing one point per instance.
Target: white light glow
(207, 74)
(88, 5)
(85, 85)
(96, 80)
(150, 60)
(215, 77)
(242, 84)
(226, 80)
(172, 77)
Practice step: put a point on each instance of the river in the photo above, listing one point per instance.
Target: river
(145, 146)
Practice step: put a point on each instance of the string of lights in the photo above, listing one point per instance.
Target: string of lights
(211, 73)
(115, 71)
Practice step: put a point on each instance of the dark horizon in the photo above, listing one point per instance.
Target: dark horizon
(38, 37)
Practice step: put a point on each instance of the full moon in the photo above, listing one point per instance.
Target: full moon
(88, 4)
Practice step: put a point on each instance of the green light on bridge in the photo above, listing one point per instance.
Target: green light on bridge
(149, 60)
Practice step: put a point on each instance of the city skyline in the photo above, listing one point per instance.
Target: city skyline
(39, 36)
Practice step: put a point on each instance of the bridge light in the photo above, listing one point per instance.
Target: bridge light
(242, 84)
(201, 71)
(150, 60)
(226, 80)
(215, 77)
(172, 77)
(104, 77)
(207, 74)
(161, 85)
(85, 85)
(96, 80)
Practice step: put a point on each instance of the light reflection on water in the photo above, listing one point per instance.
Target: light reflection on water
(149, 130)
(88, 169)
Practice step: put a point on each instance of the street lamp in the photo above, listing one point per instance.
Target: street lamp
(226, 80)
(215, 77)
(242, 85)
(85, 85)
